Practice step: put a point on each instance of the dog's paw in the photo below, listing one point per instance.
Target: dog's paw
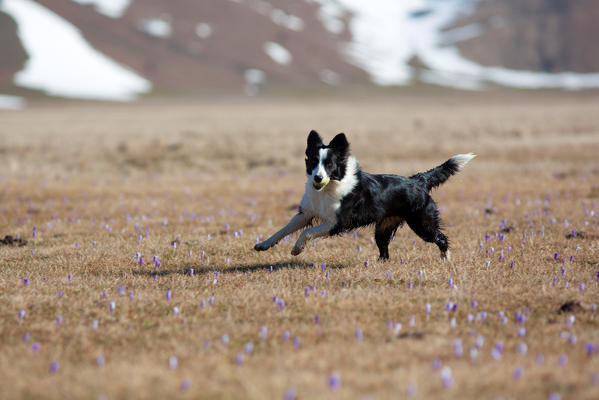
(296, 251)
(446, 256)
(261, 246)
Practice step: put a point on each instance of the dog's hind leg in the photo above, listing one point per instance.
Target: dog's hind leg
(382, 235)
(426, 224)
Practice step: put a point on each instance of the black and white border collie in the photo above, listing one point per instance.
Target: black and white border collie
(342, 197)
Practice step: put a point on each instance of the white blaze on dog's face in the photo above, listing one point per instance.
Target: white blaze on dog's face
(325, 163)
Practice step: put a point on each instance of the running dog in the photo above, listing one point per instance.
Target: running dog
(342, 197)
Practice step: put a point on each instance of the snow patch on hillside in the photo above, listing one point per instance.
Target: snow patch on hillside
(278, 53)
(387, 34)
(157, 27)
(203, 30)
(110, 8)
(9, 102)
(62, 63)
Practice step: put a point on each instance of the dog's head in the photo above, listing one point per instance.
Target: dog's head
(326, 162)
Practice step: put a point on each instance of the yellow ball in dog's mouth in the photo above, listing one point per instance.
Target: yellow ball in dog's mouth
(321, 184)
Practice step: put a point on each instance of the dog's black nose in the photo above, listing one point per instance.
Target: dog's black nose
(317, 178)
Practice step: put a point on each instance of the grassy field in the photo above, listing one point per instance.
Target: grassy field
(88, 190)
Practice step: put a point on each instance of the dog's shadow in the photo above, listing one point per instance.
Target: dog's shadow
(244, 268)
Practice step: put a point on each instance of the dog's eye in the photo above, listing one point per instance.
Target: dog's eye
(328, 164)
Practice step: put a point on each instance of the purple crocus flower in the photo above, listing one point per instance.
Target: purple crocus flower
(263, 333)
(21, 315)
(54, 367)
(334, 382)
(518, 373)
(459, 351)
(173, 362)
(317, 319)
(100, 361)
(239, 359)
(540, 359)
(496, 354)
(446, 378)
(225, 340)
(290, 394)
(286, 336)
(26, 282)
(169, 295)
(522, 348)
(590, 348)
(58, 320)
(359, 334)
(397, 328)
(572, 340)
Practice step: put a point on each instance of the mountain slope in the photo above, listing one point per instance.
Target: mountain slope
(236, 46)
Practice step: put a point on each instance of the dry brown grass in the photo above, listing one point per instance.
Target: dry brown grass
(71, 170)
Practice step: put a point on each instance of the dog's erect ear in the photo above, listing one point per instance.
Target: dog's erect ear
(314, 139)
(340, 143)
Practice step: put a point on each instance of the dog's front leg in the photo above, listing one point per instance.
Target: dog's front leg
(310, 234)
(297, 222)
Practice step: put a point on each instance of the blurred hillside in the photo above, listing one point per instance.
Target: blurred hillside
(239, 46)
(538, 35)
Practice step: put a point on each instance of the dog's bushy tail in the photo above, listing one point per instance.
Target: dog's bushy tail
(436, 176)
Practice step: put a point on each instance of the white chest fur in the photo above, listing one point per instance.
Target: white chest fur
(325, 203)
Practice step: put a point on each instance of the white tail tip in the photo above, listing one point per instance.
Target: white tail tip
(462, 159)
